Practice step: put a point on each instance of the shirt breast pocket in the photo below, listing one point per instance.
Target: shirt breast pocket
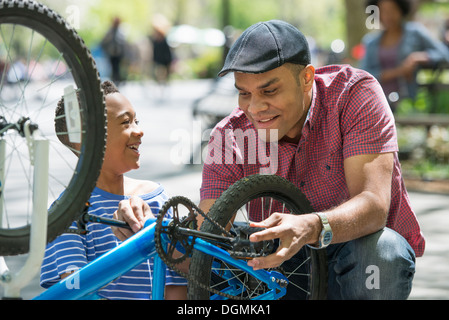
(332, 171)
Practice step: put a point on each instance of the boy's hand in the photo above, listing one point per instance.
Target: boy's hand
(135, 212)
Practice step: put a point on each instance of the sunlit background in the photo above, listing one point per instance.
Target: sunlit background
(333, 26)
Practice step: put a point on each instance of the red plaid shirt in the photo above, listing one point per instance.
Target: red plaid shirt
(349, 116)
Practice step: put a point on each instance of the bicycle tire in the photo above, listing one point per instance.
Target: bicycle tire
(230, 201)
(49, 24)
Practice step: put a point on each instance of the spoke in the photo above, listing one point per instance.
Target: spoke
(300, 288)
(2, 81)
(54, 78)
(32, 71)
(8, 60)
(51, 82)
(57, 150)
(29, 54)
(253, 287)
(223, 282)
(243, 278)
(305, 261)
(271, 203)
(18, 160)
(21, 101)
(254, 292)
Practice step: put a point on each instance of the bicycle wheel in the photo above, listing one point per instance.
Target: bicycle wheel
(41, 58)
(254, 198)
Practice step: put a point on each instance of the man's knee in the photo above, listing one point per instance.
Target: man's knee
(377, 266)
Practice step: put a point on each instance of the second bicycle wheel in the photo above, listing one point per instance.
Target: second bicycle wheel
(41, 60)
(254, 198)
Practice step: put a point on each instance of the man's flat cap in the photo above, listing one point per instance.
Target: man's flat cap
(265, 46)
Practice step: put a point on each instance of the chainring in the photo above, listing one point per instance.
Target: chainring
(190, 222)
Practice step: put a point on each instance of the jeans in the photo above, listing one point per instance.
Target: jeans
(378, 266)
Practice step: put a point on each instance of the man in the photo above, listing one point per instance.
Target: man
(336, 141)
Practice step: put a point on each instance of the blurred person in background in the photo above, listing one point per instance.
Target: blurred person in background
(162, 53)
(114, 46)
(395, 54)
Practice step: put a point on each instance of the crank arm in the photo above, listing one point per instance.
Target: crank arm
(107, 221)
(222, 241)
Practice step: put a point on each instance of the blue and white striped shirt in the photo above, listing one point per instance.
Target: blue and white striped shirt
(70, 251)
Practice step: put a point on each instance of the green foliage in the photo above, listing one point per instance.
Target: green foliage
(321, 19)
(207, 65)
(424, 152)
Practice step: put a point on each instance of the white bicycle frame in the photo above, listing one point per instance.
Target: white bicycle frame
(13, 282)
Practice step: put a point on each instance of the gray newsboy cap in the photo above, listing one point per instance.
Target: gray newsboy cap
(265, 46)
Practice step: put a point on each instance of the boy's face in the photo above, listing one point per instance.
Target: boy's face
(124, 135)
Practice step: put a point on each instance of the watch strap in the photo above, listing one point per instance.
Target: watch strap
(325, 230)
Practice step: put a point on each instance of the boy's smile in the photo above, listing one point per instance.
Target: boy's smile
(134, 147)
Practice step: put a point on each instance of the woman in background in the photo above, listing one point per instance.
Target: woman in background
(394, 54)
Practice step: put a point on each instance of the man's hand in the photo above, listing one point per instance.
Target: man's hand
(135, 212)
(293, 231)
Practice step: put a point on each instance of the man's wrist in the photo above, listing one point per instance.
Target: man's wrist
(316, 228)
(325, 234)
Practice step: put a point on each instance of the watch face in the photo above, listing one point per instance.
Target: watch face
(327, 238)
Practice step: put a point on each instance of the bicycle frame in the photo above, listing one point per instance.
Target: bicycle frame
(39, 153)
(84, 283)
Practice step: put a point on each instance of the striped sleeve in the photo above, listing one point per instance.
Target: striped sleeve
(63, 255)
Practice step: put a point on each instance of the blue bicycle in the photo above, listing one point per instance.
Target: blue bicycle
(218, 251)
(32, 35)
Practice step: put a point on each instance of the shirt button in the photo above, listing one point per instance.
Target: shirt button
(328, 167)
(302, 184)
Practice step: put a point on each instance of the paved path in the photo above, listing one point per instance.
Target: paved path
(432, 270)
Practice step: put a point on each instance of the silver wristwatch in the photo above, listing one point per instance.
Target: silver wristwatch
(326, 234)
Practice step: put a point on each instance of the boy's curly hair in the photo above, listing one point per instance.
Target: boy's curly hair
(108, 87)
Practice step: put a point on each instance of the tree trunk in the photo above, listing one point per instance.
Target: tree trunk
(355, 24)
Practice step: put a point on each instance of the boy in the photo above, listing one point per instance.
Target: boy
(112, 189)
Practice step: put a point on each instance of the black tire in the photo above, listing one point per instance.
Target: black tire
(235, 197)
(35, 17)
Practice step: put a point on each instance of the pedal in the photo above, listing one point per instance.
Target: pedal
(243, 248)
(247, 250)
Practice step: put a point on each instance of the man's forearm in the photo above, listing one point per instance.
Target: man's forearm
(361, 215)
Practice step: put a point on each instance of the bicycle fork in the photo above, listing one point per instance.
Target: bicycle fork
(39, 153)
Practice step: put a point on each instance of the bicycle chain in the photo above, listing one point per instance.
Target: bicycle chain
(167, 260)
